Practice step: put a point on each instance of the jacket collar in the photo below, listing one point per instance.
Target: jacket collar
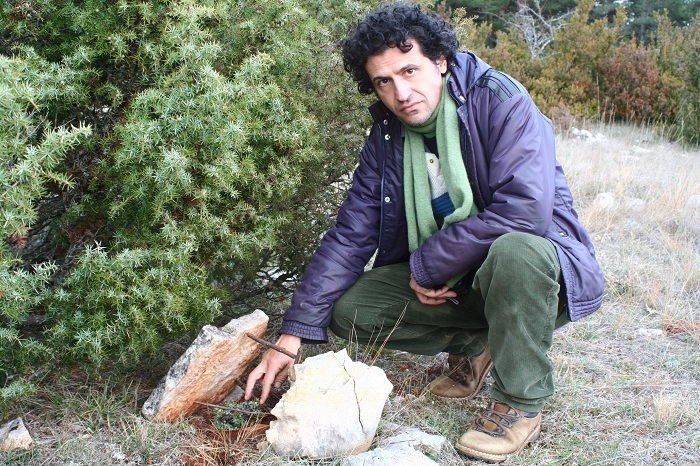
(466, 69)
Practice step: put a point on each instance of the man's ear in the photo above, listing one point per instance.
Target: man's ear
(442, 64)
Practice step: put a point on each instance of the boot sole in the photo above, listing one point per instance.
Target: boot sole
(491, 458)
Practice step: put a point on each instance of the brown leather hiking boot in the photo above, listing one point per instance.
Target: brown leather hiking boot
(465, 376)
(499, 431)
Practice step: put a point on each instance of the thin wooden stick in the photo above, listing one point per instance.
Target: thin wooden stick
(296, 357)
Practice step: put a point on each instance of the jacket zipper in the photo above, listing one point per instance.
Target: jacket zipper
(382, 194)
(464, 134)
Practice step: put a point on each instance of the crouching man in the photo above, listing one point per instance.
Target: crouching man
(479, 250)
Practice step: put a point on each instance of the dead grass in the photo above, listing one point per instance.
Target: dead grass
(628, 377)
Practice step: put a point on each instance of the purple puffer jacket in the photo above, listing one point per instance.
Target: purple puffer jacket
(518, 186)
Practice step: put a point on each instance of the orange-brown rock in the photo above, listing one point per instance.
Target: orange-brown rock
(208, 370)
(14, 435)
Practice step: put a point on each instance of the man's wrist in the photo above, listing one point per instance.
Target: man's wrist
(288, 339)
(308, 333)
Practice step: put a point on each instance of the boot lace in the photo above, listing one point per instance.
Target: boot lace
(500, 421)
(462, 373)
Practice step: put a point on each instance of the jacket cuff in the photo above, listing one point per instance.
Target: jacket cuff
(418, 271)
(308, 333)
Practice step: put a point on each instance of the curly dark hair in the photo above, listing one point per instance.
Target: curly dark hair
(396, 26)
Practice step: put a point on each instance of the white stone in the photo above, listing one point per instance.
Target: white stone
(634, 204)
(650, 332)
(415, 438)
(209, 368)
(692, 205)
(14, 435)
(605, 201)
(641, 150)
(692, 214)
(331, 409)
(587, 135)
(390, 456)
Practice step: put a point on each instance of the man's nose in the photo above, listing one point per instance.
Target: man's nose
(403, 91)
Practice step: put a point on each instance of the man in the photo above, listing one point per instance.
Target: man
(479, 252)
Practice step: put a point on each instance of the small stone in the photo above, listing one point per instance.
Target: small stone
(582, 133)
(634, 204)
(605, 201)
(641, 150)
(234, 397)
(404, 455)
(693, 203)
(415, 438)
(650, 332)
(14, 435)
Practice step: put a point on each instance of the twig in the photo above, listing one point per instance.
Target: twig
(296, 357)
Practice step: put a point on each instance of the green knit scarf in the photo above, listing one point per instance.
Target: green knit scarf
(443, 124)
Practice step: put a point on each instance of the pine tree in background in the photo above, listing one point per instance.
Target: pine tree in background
(643, 14)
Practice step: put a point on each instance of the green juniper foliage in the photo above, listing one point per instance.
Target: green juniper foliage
(157, 158)
(30, 158)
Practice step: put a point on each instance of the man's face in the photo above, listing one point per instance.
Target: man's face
(409, 83)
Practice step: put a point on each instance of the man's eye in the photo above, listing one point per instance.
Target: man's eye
(410, 71)
(383, 82)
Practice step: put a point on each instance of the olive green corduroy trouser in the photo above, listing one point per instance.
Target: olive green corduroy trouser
(512, 305)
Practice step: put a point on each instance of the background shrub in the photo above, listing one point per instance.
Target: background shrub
(679, 64)
(631, 83)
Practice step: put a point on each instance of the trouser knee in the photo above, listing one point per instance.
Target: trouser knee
(519, 257)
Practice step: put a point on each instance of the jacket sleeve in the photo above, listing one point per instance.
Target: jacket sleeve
(512, 165)
(342, 255)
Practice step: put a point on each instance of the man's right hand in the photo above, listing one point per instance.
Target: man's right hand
(273, 368)
(430, 295)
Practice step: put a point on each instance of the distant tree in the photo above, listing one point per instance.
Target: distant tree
(481, 10)
(482, 13)
(485, 11)
(641, 14)
(557, 8)
(534, 26)
(530, 18)
(679, 62)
